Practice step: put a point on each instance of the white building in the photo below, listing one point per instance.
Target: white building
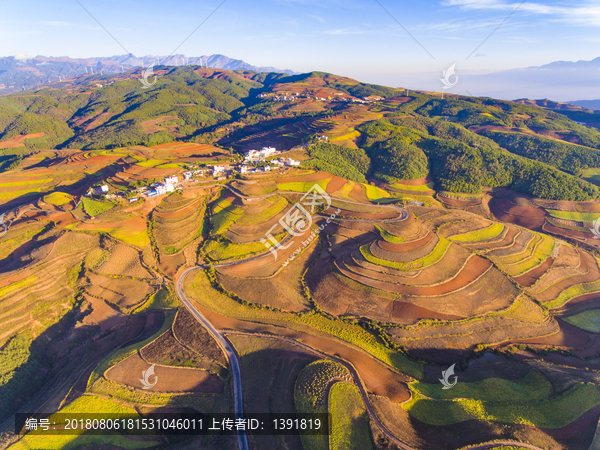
(187, 175)
(172, 179)
(101, 189)
(291, 162)
(219, 169)
(244, 169)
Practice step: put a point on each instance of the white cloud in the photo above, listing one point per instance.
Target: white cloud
(586, 12)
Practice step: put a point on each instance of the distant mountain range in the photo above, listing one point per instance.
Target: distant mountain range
(561, 81)
(22, 72)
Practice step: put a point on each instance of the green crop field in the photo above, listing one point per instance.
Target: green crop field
(408, 187)
(349, 419)
(220, 250)
(150, 163)
(58, 198)
(592, 175)
(94, 207)
(494, 230)
(576, 216)
(436, 254)
(587, 320)
(533, 387)
(389, 237)
(376, 194)
(554, 412)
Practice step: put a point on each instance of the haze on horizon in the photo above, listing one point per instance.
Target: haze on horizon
(406, 44)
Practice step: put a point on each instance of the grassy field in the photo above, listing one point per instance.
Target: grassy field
(349, 419)
(94, 207)
(576, 216)
(490, 232)
(587, 320)
(592, 175)
(436, 254)
(555, 412)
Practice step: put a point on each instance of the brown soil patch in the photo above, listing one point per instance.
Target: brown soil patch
(123, 292)
(170, 379)
(135, 223)
(187, 331)
(532, 218)
(359, 193)
(417, 181)
(550, 228)
(151, 126)
(17, 141)
(529, 278)
(102, 314)
(459, 203)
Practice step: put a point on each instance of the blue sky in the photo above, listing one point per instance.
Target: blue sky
(350, 37)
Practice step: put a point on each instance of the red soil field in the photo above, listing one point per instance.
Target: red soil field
(335, 184)
(17, 141)
(473, 269)
(532, 218)
(359, 193)
(529, 278)
(378, 377)
(170, 379)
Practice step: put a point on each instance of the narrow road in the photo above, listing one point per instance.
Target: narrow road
(238, 404)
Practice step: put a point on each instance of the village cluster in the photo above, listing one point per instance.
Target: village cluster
(337, 96)
(255, 161)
